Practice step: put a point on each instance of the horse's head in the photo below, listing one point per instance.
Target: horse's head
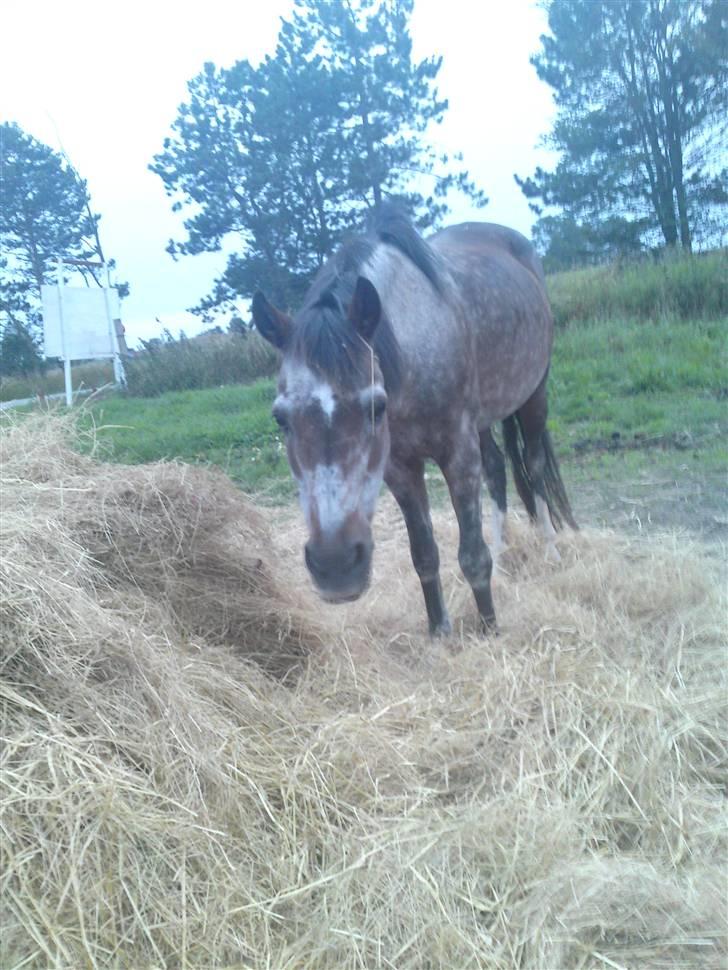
(332, 408)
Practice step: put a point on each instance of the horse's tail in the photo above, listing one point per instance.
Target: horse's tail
(556, 497)
(515, 449)
(558, 500)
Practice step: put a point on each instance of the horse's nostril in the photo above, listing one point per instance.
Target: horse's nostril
(311, 561)
(329, 566)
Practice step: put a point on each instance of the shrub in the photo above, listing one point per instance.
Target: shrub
(207, 361)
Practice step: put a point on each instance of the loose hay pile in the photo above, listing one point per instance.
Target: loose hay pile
(203, 767)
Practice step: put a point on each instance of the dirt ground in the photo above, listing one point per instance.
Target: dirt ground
(651, 492)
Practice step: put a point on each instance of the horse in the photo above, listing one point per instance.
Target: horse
(407, 349)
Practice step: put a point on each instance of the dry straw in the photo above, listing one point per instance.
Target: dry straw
(202, 767)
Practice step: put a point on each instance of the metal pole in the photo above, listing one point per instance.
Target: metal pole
(66, 361)
(119, 375)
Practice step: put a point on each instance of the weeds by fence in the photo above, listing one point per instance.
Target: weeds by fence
(94, 373)
(682, 287)
(209, 361)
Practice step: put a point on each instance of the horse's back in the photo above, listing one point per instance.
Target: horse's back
(484, 237)
(503, 306)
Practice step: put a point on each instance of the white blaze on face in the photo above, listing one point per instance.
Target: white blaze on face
(325, 397)
(303, 386)
(331, 493)
(329, 497)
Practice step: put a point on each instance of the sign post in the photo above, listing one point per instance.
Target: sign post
(79, 323)
(66, 359)
(119, 375)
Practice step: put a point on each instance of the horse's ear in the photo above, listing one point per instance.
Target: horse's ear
(273, 325)
(366, 309)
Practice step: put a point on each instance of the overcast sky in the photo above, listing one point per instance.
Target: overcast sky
(103, 81)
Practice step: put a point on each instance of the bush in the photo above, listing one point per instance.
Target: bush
(207, 361)
(19, 351)
(684, 287)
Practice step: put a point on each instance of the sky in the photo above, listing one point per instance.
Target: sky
(102, 82)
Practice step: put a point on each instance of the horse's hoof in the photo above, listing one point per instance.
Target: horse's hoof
(439, 631)
(552, 554)
(489, 626)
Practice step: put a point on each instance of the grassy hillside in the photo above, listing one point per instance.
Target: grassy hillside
(610, 381)
(639, 380)
(675, 287)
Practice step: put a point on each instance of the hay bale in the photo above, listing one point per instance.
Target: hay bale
(552, 797)
(179, 536)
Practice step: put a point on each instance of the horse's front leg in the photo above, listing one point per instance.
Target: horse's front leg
(406, 481)
(463, 474)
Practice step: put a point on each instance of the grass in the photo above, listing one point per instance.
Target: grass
(639, 380)
(677, 286)
(645, 383)
(230, 427)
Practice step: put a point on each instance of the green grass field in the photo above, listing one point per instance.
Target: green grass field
(227, 426)
(628, 399)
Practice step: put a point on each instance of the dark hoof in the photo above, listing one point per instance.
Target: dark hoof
(489, 626)
(441, 630)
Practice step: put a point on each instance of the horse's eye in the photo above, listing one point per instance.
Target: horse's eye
(281, 420)
(378, 408)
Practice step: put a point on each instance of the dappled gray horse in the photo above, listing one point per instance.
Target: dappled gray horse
(406, 350)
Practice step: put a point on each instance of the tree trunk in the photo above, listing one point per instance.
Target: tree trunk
(666, 72)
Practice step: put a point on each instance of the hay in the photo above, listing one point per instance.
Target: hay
(204, 767)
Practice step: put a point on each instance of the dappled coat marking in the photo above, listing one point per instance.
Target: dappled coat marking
(406, 350)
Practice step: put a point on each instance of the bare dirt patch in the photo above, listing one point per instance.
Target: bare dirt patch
(653, 492)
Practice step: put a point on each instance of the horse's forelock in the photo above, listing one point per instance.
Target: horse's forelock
(324, 338)
(327, 343)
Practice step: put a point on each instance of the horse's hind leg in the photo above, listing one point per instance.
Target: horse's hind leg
(406, 481)
(463, 475)
(494, 470)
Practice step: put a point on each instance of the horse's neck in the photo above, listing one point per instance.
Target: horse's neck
(417, 313)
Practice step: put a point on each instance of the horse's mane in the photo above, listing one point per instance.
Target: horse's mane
(392, 225)
(323, 337)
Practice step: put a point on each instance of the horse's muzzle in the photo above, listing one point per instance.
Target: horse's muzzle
(340, 571)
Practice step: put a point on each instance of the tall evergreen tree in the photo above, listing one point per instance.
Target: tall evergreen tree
(279, 160)
(386, 100)
(641, 89)
(254, 158)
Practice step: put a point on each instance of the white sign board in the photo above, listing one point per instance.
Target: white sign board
(79, 327)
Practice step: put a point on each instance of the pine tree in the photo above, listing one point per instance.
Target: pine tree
(45, 213)
(280, 160)
(642, 98)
